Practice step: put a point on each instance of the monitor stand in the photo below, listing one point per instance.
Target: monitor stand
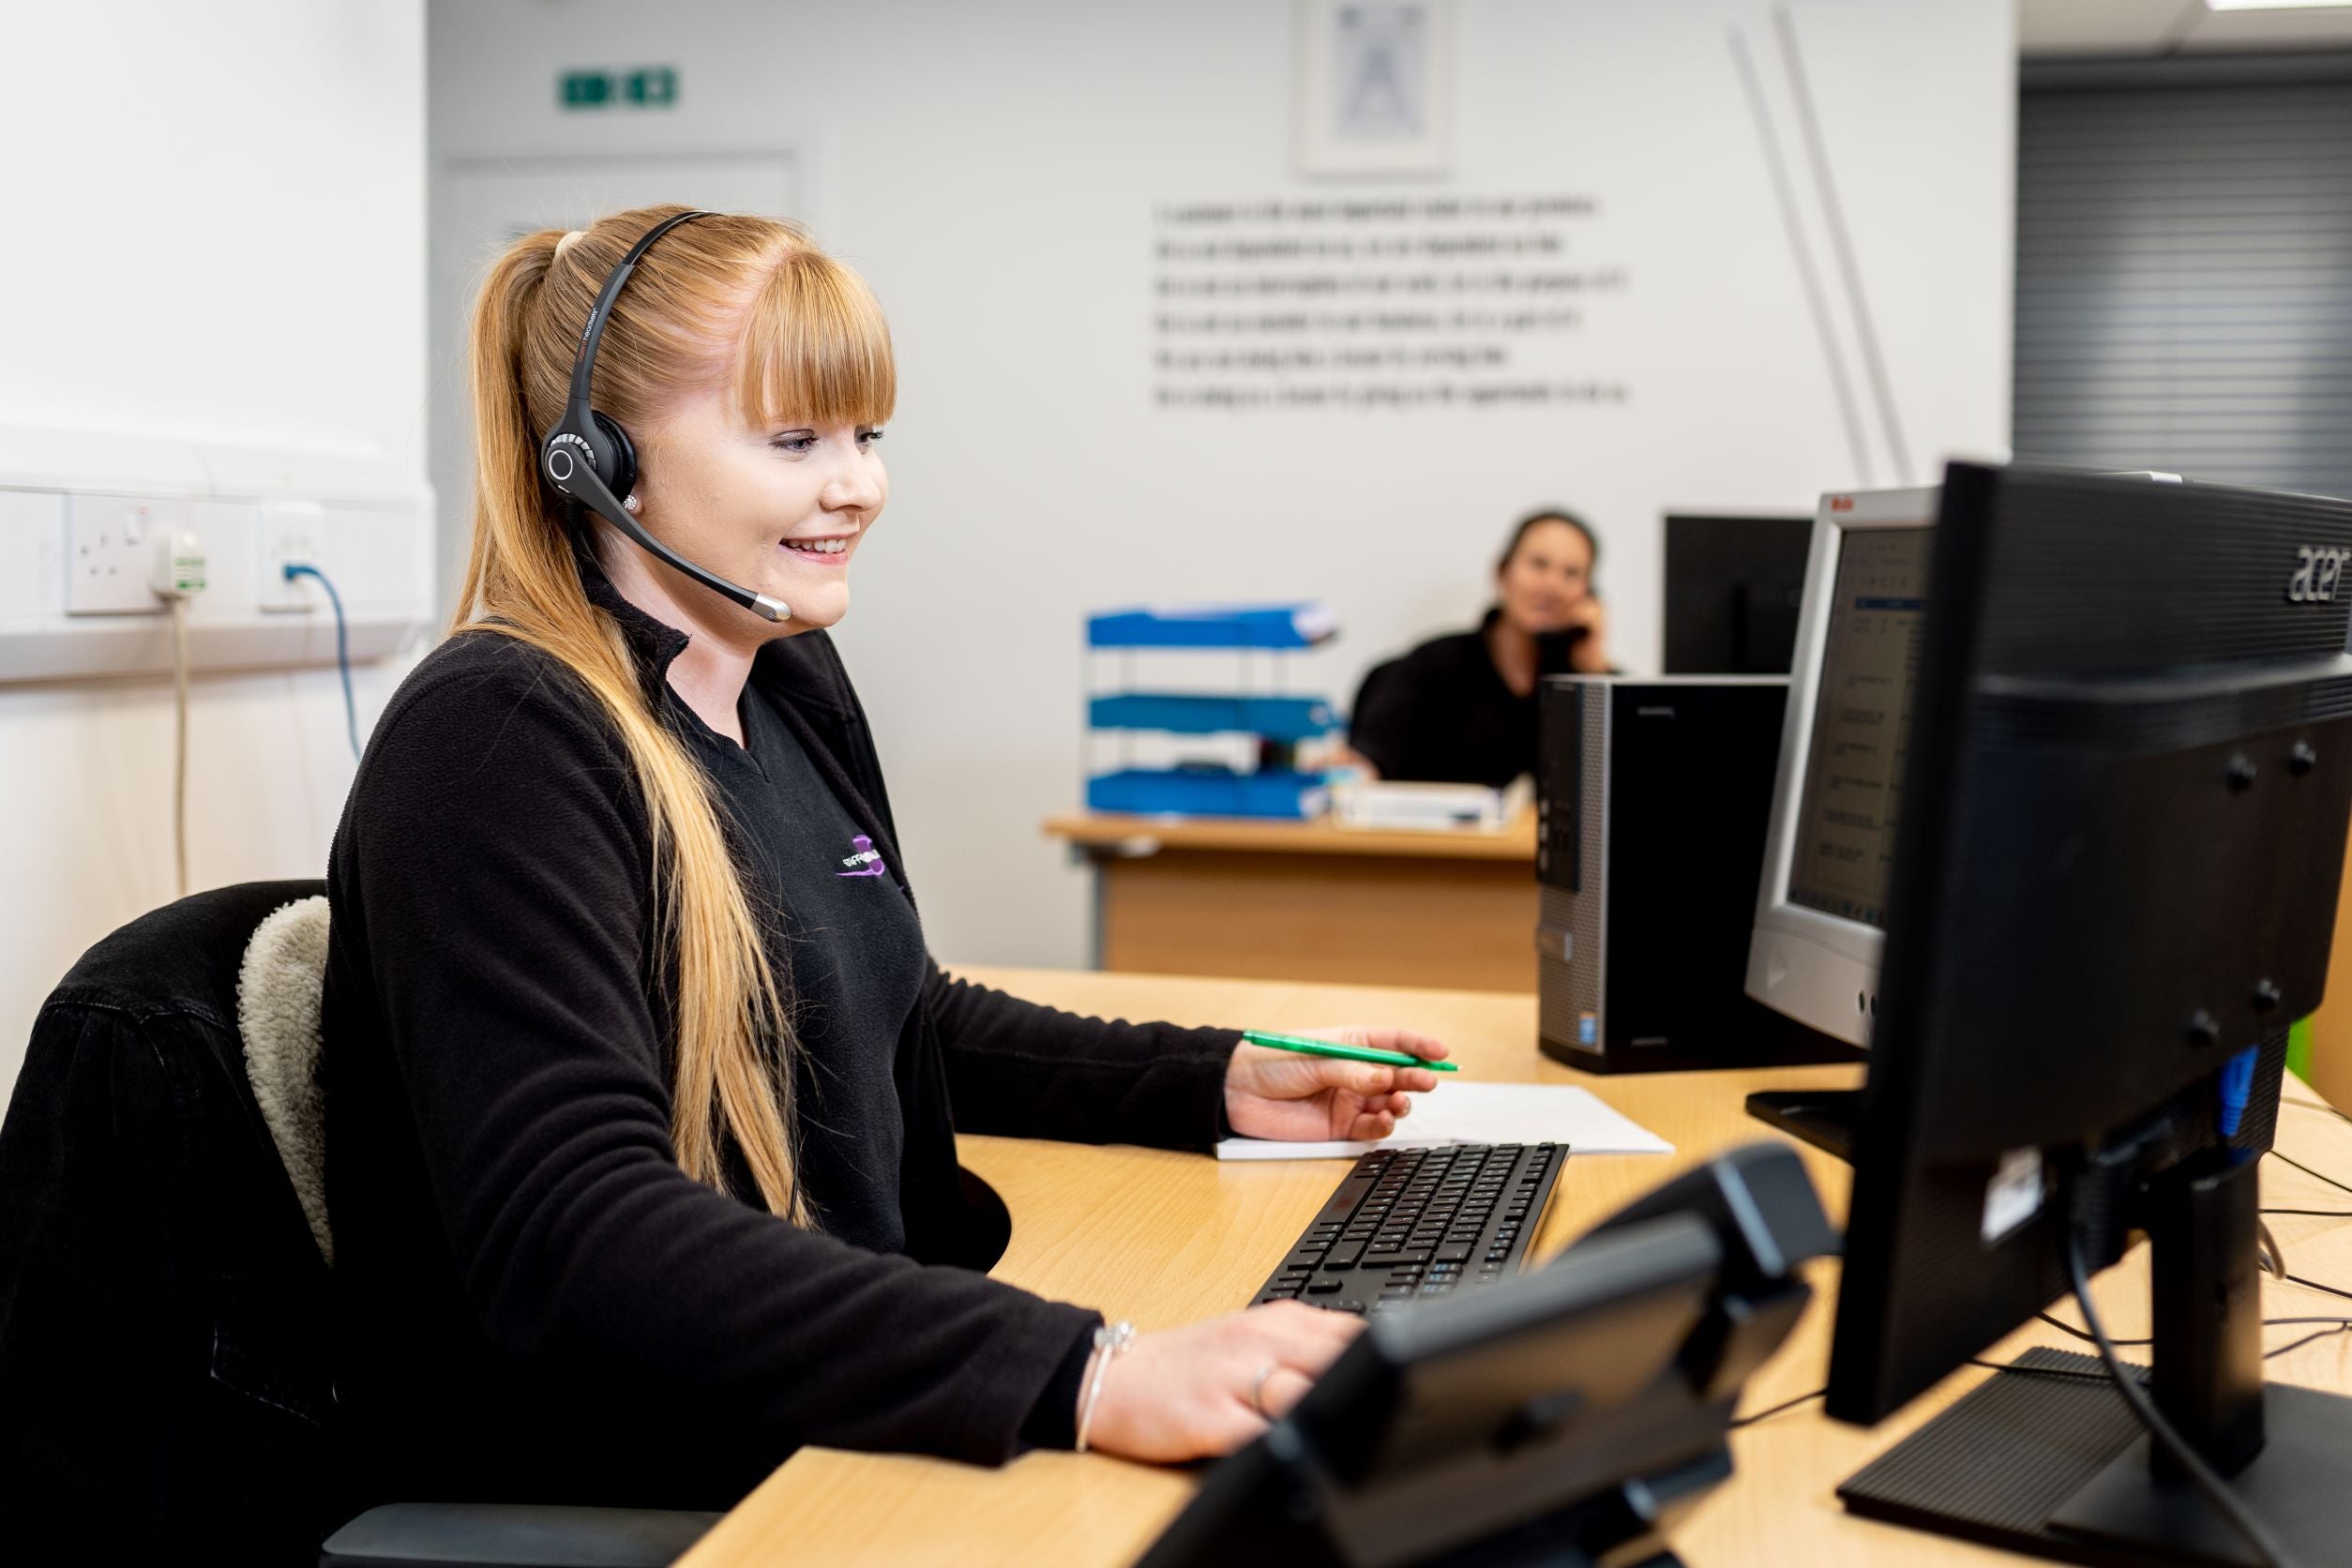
(1822, 1117)
(2047, 1458)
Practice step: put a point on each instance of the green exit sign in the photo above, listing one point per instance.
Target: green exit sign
(644, 87)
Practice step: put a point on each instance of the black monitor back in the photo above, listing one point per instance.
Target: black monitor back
(1733, 587)
(2124, 823)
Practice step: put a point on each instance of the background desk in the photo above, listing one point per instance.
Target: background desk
(1311, 901)
(1165, 1239)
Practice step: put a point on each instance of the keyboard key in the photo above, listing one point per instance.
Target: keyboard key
(1390, 1259)
(1344, 1255)
(1454, 1254)
(1323, 1287)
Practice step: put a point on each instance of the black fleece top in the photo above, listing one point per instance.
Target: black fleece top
(852, 970)
(534, 1303)
(1443, 714)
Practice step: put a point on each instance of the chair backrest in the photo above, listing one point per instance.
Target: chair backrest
(165, 1383)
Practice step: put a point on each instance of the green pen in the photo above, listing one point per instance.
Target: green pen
(1345, 1053)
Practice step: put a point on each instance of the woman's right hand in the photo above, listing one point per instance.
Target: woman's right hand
(1205, 1388)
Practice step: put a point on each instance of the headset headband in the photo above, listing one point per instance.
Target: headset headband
(584, 366)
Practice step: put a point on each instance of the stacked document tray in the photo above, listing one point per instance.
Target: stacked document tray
(1278, 723)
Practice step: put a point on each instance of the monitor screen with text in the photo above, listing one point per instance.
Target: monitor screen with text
(1862, 722)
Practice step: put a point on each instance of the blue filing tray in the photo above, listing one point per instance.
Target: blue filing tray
(1208, 793)
(1280, 625)
(1277, 719)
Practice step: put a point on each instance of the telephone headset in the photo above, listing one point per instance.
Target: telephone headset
(587, 457)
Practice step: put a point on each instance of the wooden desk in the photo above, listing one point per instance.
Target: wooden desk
(1227, 896)
(1164, 1239)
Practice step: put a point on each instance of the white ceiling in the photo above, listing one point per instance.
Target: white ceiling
(2060, 27)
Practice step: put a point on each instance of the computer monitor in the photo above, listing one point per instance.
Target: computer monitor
(2117, 865)
(1733, 589)
(1820, 905)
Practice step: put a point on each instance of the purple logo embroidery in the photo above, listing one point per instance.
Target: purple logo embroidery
(867, 862)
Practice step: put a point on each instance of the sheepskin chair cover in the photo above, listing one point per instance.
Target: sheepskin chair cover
(278, 988)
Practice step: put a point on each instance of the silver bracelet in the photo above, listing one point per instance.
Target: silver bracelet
(1111, 1341)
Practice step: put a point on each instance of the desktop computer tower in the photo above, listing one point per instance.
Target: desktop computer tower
(1652, 798)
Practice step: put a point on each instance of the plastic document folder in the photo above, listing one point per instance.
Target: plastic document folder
(1483, 1113)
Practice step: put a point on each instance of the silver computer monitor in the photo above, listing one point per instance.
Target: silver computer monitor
(1820, 905)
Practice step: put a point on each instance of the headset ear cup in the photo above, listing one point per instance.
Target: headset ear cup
(619, 469)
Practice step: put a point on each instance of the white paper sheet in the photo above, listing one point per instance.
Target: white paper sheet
(1483, 1113)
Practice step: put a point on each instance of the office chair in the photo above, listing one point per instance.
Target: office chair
(166, 1391)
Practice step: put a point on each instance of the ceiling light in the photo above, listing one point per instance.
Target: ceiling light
(2278, 4)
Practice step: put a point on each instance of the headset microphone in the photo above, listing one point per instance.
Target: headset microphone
(587, 457)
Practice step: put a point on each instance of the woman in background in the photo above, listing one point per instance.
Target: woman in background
(1460, 709)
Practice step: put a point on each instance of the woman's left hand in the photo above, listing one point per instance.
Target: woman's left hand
(1286, 1094)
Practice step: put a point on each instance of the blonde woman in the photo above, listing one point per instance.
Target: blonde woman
(641, 1158)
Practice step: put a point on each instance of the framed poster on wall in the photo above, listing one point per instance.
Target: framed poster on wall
(1376, 87)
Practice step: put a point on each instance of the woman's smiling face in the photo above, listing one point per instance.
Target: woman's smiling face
(777, 507)
(1549, 572)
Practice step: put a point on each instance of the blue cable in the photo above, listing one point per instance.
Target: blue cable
(2237, 1088)
(342, 647)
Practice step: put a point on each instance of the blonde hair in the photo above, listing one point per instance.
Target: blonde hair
(801, 337)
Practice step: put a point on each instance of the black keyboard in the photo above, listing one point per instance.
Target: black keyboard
(1407, 1225)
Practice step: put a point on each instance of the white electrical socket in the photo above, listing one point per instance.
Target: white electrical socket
(291, 531)
(109, 544)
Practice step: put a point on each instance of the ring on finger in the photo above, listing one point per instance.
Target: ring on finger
(1257, 1390)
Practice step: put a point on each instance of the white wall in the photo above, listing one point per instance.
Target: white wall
(993, 170)
(219, 233)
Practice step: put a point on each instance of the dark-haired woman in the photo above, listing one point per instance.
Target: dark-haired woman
(1460, 709)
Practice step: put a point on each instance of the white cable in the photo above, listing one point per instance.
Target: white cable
(179, 741)
(176, 570)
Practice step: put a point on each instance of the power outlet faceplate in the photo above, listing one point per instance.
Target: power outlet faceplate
(110, 542)
(291, 531)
